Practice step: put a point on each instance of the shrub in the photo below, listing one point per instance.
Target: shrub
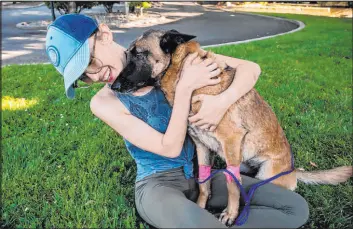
(71, 7)
(144, 5)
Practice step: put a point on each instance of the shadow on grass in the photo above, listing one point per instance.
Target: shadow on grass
(5, 225)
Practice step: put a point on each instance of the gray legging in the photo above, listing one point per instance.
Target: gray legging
(167, 200)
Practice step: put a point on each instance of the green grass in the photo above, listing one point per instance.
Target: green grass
(62, 167)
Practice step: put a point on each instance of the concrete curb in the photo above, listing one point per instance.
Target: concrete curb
(25, 64)
(21, 25)
(300, 24)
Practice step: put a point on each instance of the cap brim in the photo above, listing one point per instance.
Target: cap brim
(74, 69)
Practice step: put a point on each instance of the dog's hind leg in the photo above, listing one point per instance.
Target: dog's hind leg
(205, 160)
(273, 166)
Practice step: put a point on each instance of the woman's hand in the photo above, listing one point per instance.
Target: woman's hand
(197, 73)
(213, 108)
(211, 112)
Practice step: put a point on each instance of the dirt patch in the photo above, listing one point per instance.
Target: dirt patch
(120, 20)
(287, 8)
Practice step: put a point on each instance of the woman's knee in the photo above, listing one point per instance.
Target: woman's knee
(299, 209)
(293, 205)
(161, 206)
(145, 197)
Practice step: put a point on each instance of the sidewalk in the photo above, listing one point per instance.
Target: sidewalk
(114, 20)
(20, 5)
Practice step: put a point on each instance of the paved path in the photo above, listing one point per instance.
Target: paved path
(210, 27)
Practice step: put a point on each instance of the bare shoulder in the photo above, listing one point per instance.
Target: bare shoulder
(232, 61)
(105, 100)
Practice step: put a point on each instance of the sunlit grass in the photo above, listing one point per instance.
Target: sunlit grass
(11, 103)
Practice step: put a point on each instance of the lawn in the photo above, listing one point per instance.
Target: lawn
(62, 167)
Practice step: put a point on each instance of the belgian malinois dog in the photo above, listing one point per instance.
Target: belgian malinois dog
(248, 133)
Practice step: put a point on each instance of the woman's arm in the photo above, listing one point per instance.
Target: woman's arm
(110, 110)
(246, 77)
(213, 108)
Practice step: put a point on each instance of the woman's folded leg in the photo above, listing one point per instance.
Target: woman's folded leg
(271, 206)
(167, 207)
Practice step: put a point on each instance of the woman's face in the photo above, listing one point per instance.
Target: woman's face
(109, 57)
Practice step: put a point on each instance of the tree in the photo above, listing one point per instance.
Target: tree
(140, 5)
(71, 7)
(108, 6)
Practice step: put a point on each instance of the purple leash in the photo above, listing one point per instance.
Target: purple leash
(243, 216)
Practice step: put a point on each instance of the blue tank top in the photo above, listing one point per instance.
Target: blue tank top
(154, 109)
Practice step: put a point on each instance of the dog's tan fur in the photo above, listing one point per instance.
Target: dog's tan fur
(249, 131)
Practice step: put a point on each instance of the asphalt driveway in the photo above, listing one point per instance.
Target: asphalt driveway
(211, 26)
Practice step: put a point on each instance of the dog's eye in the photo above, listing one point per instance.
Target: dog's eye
(133, 51)
(144, 53)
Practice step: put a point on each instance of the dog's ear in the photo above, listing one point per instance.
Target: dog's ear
(172, 38)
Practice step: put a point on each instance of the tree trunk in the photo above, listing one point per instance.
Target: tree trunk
(52, 10)
(131, 9)
(72, 7)
(127, 9)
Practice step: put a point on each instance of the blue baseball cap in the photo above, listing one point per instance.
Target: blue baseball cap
(67, 46)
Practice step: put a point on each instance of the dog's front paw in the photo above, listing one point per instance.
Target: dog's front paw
(202, 200)
(228, 217)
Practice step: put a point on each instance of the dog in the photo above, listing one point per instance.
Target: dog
(248, 133)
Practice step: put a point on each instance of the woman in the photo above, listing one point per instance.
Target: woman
(155, 135)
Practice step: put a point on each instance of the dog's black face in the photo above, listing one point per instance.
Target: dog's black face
(136, 73)
(147, 59)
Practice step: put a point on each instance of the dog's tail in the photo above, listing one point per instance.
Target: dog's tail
(332, 176)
